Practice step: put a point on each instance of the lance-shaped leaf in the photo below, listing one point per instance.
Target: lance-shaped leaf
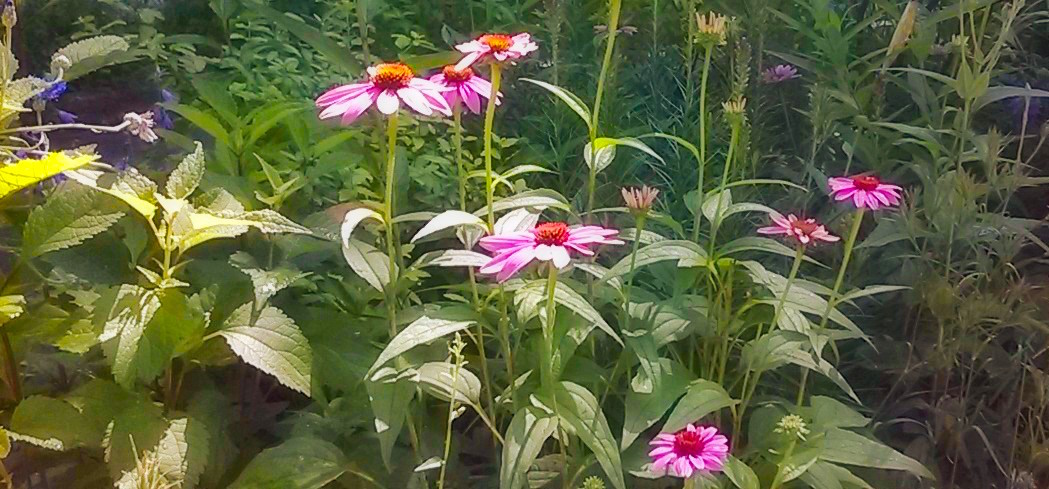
(448, 219)
(606, 151)
(538, 198)
(367, 262)
(642, 410)
(845, 447)
(353, 218)
(128, 191)
(525, 437)
(90, 54)
(574, 102)
(578, 409)
(299, 463)
(452, 258)
(126, 322)
(419, 332)
(390, 392)
(703, 397)
(440, 380)
(687, 254)
(271, 343)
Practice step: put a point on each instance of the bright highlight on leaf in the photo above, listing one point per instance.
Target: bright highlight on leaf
(27, 172)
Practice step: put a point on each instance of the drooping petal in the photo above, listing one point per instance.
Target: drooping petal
(560, 256)
(415, 99)
(471, 57)
(661, 463)
(470, 98)
(515, 263)
(388, 102)
(543, 252)
(501, 242)
(341, 93)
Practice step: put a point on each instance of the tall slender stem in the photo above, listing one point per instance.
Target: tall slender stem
(715, 224)
(489, 120)
(614, 8)
(702, 139)
(750, 384)
(391, 247)
(548, 379)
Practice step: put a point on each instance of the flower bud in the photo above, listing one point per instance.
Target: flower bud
(60, 63)
(712, 29)
(9, 16)
(639, 200)
(793, 426)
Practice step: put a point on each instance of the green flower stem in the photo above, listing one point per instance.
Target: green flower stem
(690, 483)
(777, 481)
(702, 138)
(391, 247)
(547, 379)
(451, 412)
(614, 8)
(489, 120)
(751, 384)
(850, 242)
(715, 224)
(458, 136)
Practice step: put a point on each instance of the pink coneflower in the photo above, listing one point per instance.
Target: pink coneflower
(388, 85)
(693, 449)
(779, 74)
(550, 241)
(500, 47)
(805, 231)
(865, 191)
(464, 85)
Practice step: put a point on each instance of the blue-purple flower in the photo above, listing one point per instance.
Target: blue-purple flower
(53, 91)
(67, 117)
(779, 74)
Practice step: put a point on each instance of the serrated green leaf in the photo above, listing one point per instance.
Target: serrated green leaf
(11, 306)
(299, 463)
(187, 175)
(28, 172)
(528, 431)
(90, 54)
(70, 216)
(419, 332)
(46, 418)
(125, 324)
(272, 343)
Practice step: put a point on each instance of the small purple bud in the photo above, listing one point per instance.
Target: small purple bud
(162, 118)
(167, 96)
(67, 117)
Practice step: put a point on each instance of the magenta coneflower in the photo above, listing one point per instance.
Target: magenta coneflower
(804, 231)
(464, 85)
(779, 74)
(550, 241)
(388, 85)
(500, 47)
(865, 191)
(693, 449)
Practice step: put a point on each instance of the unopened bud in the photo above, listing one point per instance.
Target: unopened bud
(9, 17)
(59, 63)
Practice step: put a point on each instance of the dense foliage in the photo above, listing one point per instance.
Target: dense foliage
(754, 244)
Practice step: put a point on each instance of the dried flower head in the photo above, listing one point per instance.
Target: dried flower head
(793, 426)
(712, 29)
(60, 63)
(141, 125)
(639, 200)
(9, 16)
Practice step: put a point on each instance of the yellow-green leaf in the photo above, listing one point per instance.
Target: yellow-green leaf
(29, 172)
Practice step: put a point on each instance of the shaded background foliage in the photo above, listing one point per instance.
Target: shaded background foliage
(955, 375)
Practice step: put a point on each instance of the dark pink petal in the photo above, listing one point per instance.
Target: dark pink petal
(515, 263)
(337, 94)
(471, 99)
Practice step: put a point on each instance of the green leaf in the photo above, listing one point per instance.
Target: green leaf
(687, 254)
(758, 243)
(46, 418)
(337, 54)
(367, 262)
(643, 410)
(180, 456)
(70, 216)
(127, 190)
(419, 332)
(703, 397)
(530, 198)
(823, 475)
(528, 431)
(871, 290)
(90, 54)
(28, 172)
(272, 343)
(828, 412)
(133, 309)
(845, 447)
(741, 475)
(5, 443)
(436, 378)
(11, 306)
(605, 154)
(390, 393)
(575, 103)
(299, 463)
(452, 258)
(209, 123)
(137, 426)
(579, 410)
(186, 177)
(994, 94)
(448, 219)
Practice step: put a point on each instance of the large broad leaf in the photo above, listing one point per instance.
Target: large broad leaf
(367, 262)
(831, 413)
(127, 190)
(740, 474)
(25, 173)
(70, 216)
(687, 254)
(133, 309)
(823, 475)
(452, 258)
(354, 218)
(90, 54)
(539, 198)
(299, 463)
(643, 410)
(53, 420)
(529, 429)
(575, 103)
(186, 177)
(448, 219)
(180, 456)
(442, 381)
(271, 343)
(703, 397)
(845, 447)
(390, 393)
(578, 409)
(419, 332)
